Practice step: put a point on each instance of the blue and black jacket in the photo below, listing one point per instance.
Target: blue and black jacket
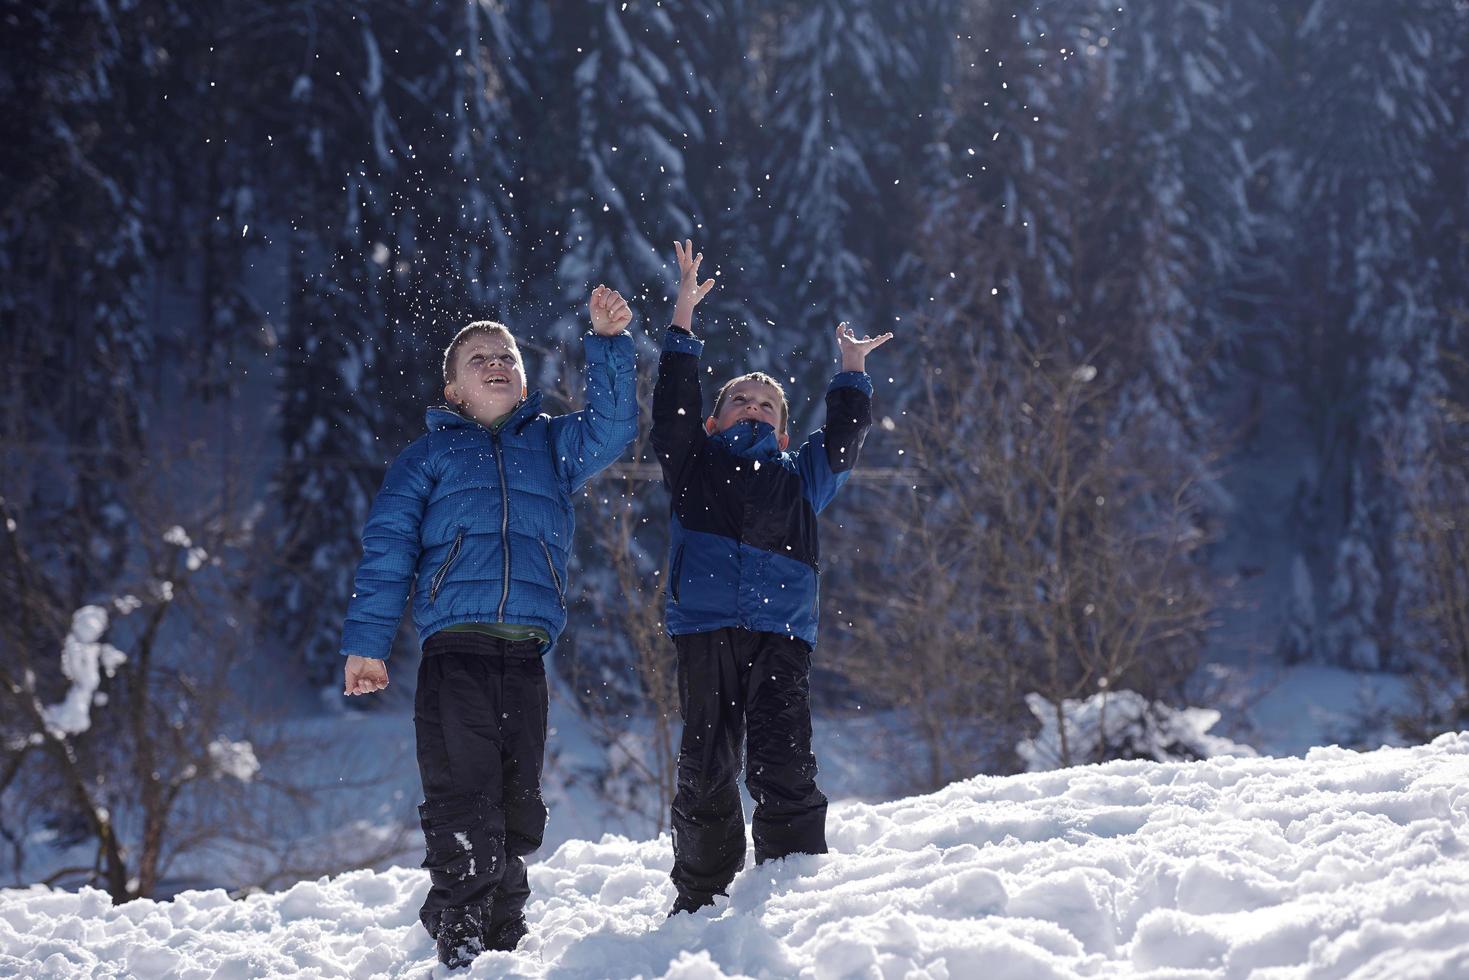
(476, 524)
(744, 545)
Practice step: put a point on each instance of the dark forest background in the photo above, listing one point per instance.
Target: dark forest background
(1180, 289)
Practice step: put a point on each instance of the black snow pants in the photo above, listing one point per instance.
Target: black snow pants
(740, 686)
(480, 721)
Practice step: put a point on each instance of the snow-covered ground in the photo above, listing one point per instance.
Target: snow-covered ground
(1335, 864)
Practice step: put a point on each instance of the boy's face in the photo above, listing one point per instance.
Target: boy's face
(749, 400)
(488, 378)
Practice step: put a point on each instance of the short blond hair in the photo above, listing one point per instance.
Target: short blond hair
(489, 328)
(763, 378)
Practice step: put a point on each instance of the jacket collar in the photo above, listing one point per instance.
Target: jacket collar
(443, 417)
(749, 439)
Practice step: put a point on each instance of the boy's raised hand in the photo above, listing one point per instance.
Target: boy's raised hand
(690, 290)
(610, 312)
(365, 675)
(854, 351)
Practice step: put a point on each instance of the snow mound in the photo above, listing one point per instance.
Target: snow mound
(1333, 865)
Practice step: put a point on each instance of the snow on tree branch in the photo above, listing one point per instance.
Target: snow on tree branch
(234, 759)
(194, 557)
(84, 658)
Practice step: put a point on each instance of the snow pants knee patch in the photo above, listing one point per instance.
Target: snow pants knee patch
(465, 859)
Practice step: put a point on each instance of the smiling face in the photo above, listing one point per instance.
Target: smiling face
(485, 377)
(752, 398)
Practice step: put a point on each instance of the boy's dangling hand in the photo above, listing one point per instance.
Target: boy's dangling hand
(690, 290)
(854, 351)
(610, 312)
(365, 675)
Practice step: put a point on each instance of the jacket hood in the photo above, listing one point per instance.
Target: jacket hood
(442, 417)
(749, 439)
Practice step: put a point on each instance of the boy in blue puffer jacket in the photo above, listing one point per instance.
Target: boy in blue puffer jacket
(742, 592)
(474, 521)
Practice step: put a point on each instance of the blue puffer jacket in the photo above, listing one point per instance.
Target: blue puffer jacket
(477, 525)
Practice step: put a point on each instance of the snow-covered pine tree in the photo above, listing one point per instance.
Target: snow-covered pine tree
(479, 236)
(394, 113)
(1071, 254)
(1081, 133)
(630, 198)
(78, 140)
(209, 196)
(1352, 634)
(1297, 638)
(718, 38)
(542, 139)
(851, 98)
(1439, 496)
(1174, 95)
(1351, 140)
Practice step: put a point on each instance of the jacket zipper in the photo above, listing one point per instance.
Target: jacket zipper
(560, 595)
(504, 526)
(438, 580)
(675, 570)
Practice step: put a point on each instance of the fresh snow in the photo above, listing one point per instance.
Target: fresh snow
(1330, 865)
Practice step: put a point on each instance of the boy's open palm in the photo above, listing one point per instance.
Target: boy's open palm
(690, 290)
(365, 675)
(855, 351)
(610, 312)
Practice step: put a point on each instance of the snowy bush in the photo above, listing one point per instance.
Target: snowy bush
(1041, 550)
(114, 771)
(1120, 725)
